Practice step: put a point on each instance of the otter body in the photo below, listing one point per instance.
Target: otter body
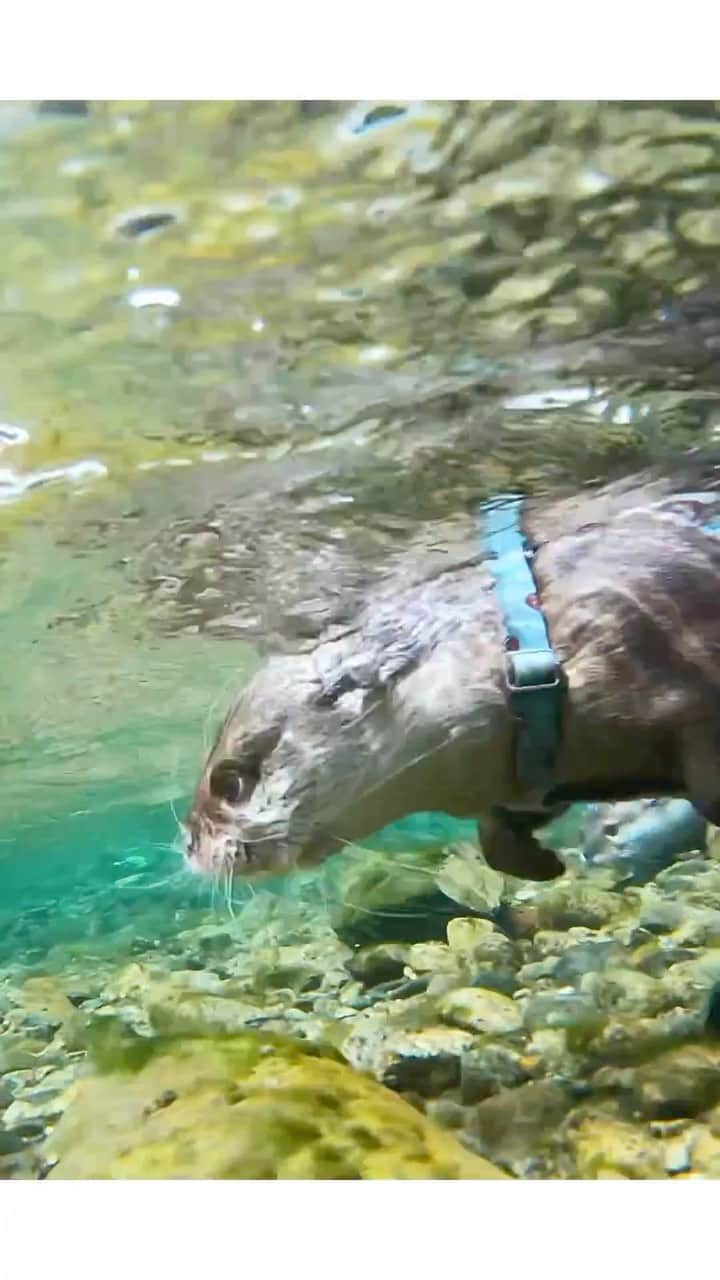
(407, 709)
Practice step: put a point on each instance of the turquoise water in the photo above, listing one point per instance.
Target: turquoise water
(251, 355)
(245, 347)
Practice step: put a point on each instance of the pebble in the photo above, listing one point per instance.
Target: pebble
(700, 227)
(481, 1010)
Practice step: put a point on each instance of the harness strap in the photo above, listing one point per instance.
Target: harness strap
(533, 674)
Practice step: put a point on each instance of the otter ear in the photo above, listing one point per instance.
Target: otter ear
(249, 750)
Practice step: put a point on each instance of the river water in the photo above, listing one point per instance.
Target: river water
(249, 352)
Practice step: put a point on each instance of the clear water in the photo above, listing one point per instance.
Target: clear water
(248, 353)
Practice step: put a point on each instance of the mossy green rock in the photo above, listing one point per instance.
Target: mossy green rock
(379, 897)
(250, 1106)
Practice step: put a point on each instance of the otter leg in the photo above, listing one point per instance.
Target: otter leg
(509, 845)
(701, 762)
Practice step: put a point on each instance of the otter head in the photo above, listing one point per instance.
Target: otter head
(324, 748)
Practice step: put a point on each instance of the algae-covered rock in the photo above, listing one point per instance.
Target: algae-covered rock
(572, 903)
(250, 1106)
(470, 882)
(380, 897)
(44, 1007)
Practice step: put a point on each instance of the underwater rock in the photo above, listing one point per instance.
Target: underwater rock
(485, 1011)
(487, 1068)
(700, 227)
(571, 902)
(702, 1154)
(699, 928)
(574, 903)
(432, 957)
(626, 991)
(564, 1009)
(470, 882)
(137, 223)
(69, 107)
(659, 914)
(318, 964)
(658, 955)
(547, 1052)
(383, 898)
(10, 1143)
(607, 1147)
(44, 997)
(526, 290)
(380, 962)
(516, 1127)
(480, 942)
(688, 980)
(251, 1106)
(677, 1084)
(587, 957)
(627, 1040)
(555, 942)
(405, 1050)
(18, 1052)
(194, 1014)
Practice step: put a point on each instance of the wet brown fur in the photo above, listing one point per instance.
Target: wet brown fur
(629, 584)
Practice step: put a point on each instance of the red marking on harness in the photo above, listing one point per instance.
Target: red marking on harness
(533, 600)
(512, 643)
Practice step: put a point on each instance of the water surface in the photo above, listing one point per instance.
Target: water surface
(249, 353)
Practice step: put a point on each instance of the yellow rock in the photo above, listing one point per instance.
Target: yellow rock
(44, 995)
(432, 957)
(250, 1106)
(609, 1148)
(481, 1010)
(705, 1156)
(480, 941)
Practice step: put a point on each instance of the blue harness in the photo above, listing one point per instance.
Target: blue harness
(535, 681)
(534, 676)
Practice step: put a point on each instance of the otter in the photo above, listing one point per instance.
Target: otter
(407, 709)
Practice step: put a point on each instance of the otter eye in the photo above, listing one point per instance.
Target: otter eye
(228, 780)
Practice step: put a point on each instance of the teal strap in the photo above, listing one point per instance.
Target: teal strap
(534, 678)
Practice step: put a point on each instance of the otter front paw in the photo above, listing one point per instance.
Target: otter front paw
(509, 846)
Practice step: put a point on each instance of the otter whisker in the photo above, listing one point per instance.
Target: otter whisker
(395, 862)
(228, 889)
(384, 915)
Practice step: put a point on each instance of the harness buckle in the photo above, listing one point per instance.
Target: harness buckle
(531, 670)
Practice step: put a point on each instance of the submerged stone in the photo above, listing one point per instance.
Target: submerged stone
(679, 1083)
(606, 1147)
(517, 1126)
(700, 227)
(250, 1106)
(380, 898)
(378, 963)
(478, 1009)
